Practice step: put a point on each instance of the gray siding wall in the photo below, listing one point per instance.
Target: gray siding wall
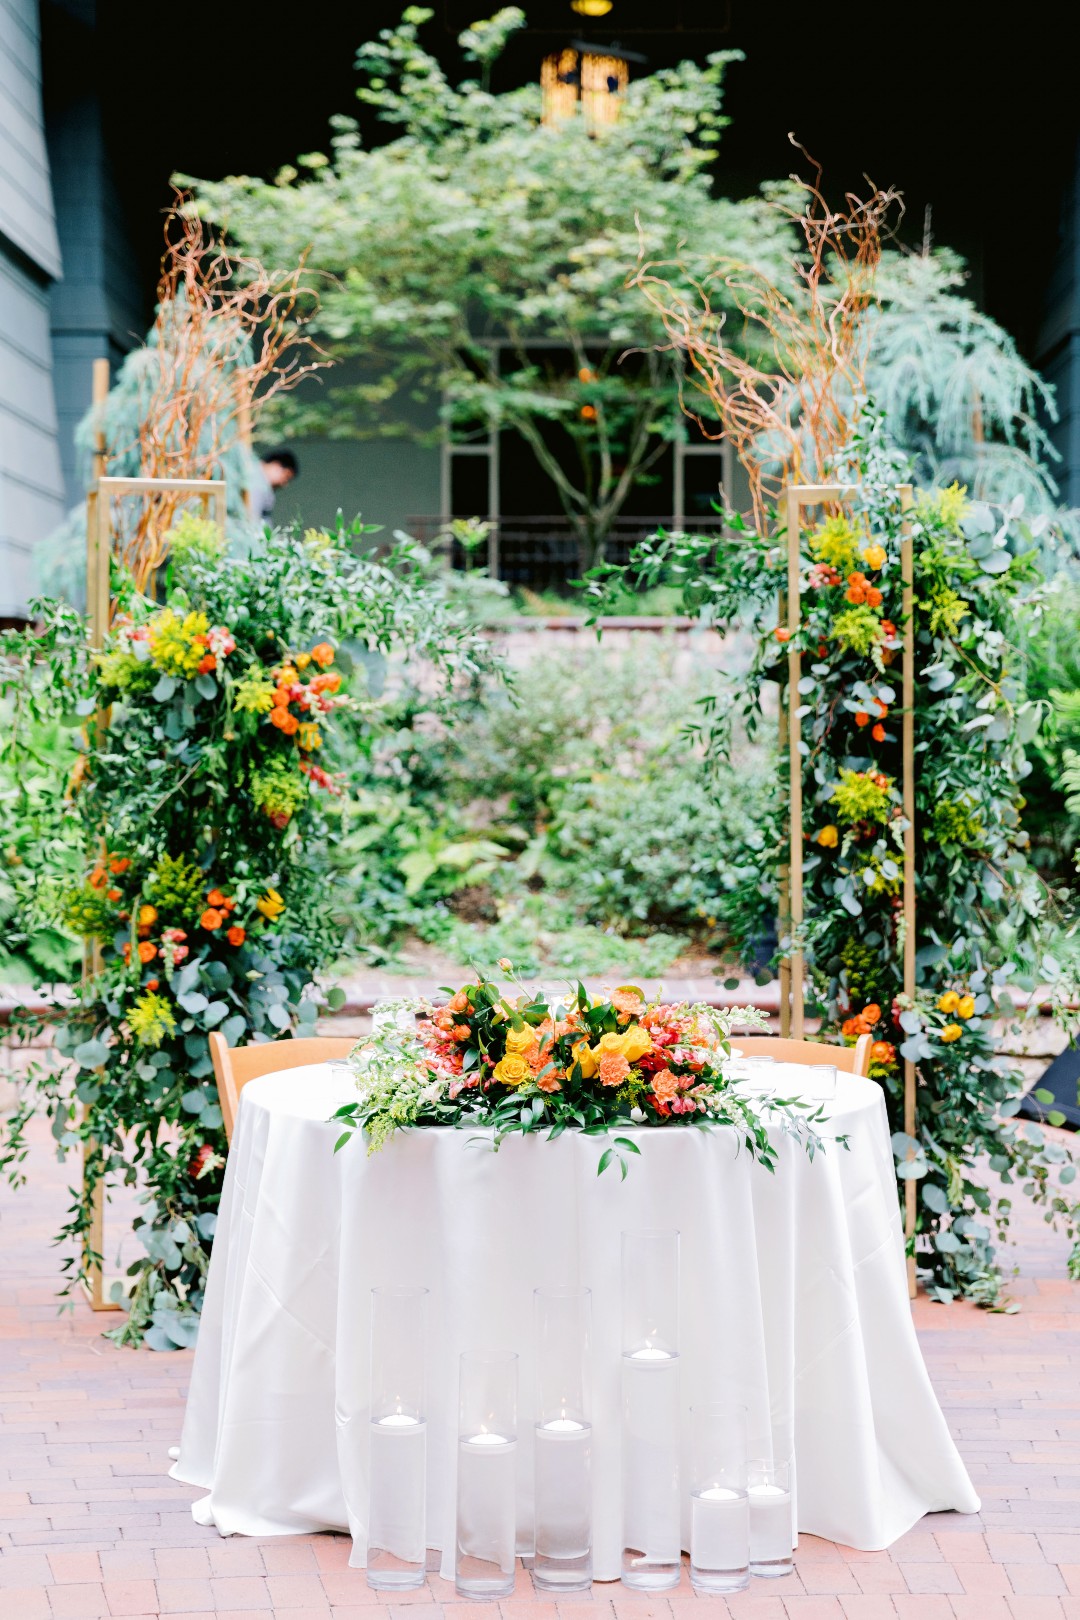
(31, 499)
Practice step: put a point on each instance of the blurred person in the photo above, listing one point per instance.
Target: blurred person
(276, 469)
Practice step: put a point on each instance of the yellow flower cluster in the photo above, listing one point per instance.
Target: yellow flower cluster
(173, 648)
(952, 1003)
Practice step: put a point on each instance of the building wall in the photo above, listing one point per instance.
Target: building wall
(31, 491)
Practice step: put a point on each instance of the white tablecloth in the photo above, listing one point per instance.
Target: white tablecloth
(794, 1299)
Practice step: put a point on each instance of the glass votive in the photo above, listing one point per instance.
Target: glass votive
(486, 1478)
(652, 1548)
(397, 1473)
(562, 1455)
(757, 1075)
(820, 1083)
(771, 1530)
(719, 1504)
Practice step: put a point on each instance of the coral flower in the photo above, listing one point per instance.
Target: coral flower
(871, 1012)
(952, 1032)
(323, 654)
(460, 1032)
(207, 664)
(215, 898)
(627, 1001)
(664, 1085)
(288, 723)
(862, 718)
(883, 1052)
(588, 413)
(888, 629)
(873, 596)
(211, 919)
(118, 864)
(147, 951)
(614, 1068)
(153, 984)
(279, 716)
(113, 895)
(550, 1081)
(459, 1003)
(236, 934)
(878, 732)
(781, 634)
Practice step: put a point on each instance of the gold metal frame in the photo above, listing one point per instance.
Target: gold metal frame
(99, 612)
(792, 986)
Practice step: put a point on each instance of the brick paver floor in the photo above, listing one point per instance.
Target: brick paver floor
(91, 1525)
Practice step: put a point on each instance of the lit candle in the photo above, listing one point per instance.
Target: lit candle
(486, 1438)
(563, 1425)
(397, 1420)
(650, 1352)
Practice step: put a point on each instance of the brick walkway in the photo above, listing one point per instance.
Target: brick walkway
(90, 1524)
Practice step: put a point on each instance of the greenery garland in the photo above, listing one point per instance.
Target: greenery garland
(203, 801)
(982, 906)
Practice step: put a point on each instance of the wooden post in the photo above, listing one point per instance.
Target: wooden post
(97, 612)
(907, 577)
(794, 729)
(212, 493)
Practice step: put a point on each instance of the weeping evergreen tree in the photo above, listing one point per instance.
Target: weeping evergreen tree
(958, 396)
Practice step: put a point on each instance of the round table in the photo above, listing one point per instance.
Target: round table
(793, 1299)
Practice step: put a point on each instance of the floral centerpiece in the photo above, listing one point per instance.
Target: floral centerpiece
(531, 1061)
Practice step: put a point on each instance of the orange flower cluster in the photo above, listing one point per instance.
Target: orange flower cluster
(316, 695)
(863, 719)
(863, 1022)
(860, 590)
(219, 907)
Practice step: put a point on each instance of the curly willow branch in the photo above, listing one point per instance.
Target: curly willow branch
(227, 337)
(786, 397)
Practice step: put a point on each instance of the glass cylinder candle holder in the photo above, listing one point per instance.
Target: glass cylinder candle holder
(771, 1530)
(650, 1400)
(397, 1473)
(486, 1477)
(562, 1455)
(820, 1081)
(719, 1506)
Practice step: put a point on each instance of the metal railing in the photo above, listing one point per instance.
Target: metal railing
(541, 551)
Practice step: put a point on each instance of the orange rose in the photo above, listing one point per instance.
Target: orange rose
(460, 1032)
(873, 596)
(236, 934)
(280, 718)
(289, 723)
(327, 683)
(781, 634)
(871, 1013)
(323, 654)
(147, 951)
(153, 984)
(211, 919)
(207, 664)
(862, 719)
(855, 1026)
(458, 1003)
(883, 1052)
(878, 732)
(215, 898)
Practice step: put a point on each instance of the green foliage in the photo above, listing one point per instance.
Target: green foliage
(475, 223)
(39, 856)
(959, 398)
(564, 823)
(983, 912)
(208, 899)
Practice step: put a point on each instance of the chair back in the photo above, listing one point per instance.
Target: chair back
(847, 1059)
(234, 1066)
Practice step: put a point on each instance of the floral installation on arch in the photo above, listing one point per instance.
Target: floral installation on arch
(218, 723)
(593, 1062)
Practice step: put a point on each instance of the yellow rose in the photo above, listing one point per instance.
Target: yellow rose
(965, 1007)
(512, 1070)
(828, 837)
(610, 1042)
(948, 1003)
(585, 1058)
(520, 1041)
(635, 1043)
(952, 1032)
(875, 556)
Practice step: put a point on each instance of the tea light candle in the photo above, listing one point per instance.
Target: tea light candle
(650, 1352)
(397, 1420)
(485, 1438)
(563, 1425)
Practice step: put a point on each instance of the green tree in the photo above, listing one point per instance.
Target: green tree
(478, 260)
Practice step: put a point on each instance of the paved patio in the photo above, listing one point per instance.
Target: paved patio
(91, 1525)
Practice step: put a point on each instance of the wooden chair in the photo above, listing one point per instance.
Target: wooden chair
(234, 1066)
(847, 1059)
